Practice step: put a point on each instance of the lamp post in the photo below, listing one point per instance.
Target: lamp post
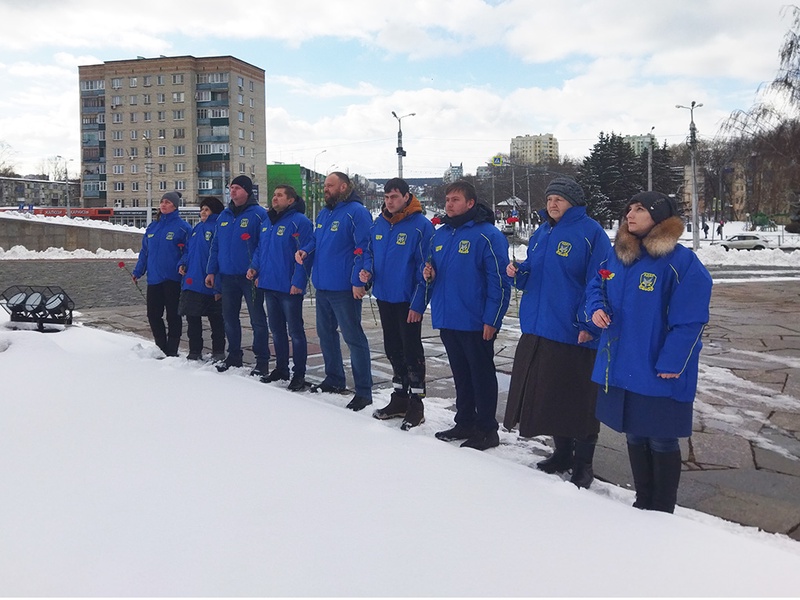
(692, 150)
(148, 169)
(650, 160)
(66, 183)
(316, 184)
(400, 152)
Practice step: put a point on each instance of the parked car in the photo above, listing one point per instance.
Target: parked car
(744, 241)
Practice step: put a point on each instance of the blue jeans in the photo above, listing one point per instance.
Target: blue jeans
(285, 311)
(340, 309)
(234, 288)
(655, 444)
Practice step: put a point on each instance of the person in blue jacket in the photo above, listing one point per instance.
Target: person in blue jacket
(232, 247)
(651, 299)
(469, 296)
(284, 282)
(340, 250)
(198, 301)
(162, 248)
(551, 391)
(399, 243)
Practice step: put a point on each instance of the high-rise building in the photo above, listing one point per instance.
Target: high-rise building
(639, 143)
(172, 123)
(533, 149)
(453, 173)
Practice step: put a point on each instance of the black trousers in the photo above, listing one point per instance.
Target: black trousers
(402, 342)
(163, 297)
(194, 328)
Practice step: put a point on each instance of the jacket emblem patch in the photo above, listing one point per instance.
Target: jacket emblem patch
(170, 235)
(563, 248)
(378, 236)
(463, 247)
(438, 248)
(647, 282)
(243, 223)
(223, 224)
(208, 235)
(335, 226)
(401, 239)
(281, 229)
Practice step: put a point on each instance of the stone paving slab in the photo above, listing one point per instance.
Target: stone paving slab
(721, 450)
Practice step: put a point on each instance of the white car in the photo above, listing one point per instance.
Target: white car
(744, 241)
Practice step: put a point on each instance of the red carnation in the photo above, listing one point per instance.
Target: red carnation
(188, 281)
(606, 274)
(296, 235)
(180, 245)
(245, 236)
(358, 252)
(436, 221)
(121, 265)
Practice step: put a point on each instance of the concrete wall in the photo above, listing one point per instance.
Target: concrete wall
(41, 236)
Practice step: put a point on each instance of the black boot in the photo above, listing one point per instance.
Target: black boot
(560, 460)
(397, 407)
(415, 415)
(582, 471)
(666, 477)
(642, 470)
(171, 348)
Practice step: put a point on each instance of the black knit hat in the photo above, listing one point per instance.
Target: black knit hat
(568, 189)
(660, 206)
(244, 182)
(174, 197)
(213, 203)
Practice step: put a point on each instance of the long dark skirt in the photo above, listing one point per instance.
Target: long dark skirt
(551, 390)
(646, 416)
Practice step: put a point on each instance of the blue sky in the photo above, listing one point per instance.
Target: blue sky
(476, 73)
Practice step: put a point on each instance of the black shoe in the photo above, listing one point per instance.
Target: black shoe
(276, 375)
(297, 383)
(459, 432)
(560, 461)
(194, 356)
(483, 440)
(397, 407)
(218, 357)
(582, 476)
(260, 370)
(228, 363)
(328, 388)
(415, 415)
(582, 472)
(359, 402)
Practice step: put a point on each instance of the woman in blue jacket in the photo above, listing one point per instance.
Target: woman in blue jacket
(651, 299)
(551, 391)
(197, 300)
(162, 248)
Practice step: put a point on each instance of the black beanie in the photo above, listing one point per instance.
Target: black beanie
(568, 189)
(244, 182)
(660, 206)
(213, 203)
(174, 197)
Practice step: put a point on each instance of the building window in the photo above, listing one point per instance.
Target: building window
(252, 104)
(135, 186)
(116, 101)
(179, 150)
(159, 80)
(89, 86)
(162, 185)
(206, 184)
(252, 119)
(178, 96)
(241, 150)
(133, 100)
(119, 186)
(101, 169)
(162, 134)
(162, 168)
(241, 117)
(116, 118)
(180, 184)
(133, 134)
(116, 83)
(134, 152)
(147, 80)
(148, 116)
(134, 169)
(177, 79)
(240, 81)
(178, 115)
(132, 82)
(162, 115)
(242, 168)
(251, 86)
(133, 117)
(101, 136)
(241, 134)
(179, 132)
(218, 113)
(145, 98)
(118, 169)
(161, 98)
(101, 118)
(252, 136)
(204, 96)
(180, 167)
(240, 98)
(162, 150)
(202, 113)
(116, 135)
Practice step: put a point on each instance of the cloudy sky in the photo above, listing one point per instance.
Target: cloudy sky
(475, 72)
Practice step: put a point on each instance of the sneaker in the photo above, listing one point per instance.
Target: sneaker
(260, 370)
(297, 383)
(415, 415)
(397, 407)
(276, 375)
(459, 432)
(228, 363)
(328, 388)
(359, 402)
(483, 440)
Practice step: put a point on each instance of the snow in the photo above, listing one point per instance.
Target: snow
(73, 221)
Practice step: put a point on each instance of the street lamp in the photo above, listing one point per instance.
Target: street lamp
(650, 160)
(692, 150)
(148, 169)
(66, 182)
(400, 152)
(316, 184)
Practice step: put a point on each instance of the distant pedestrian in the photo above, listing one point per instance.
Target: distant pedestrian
(719, 230)
(399, 243)
(198, 301)
(162, 248)
(284, 282)
(705, 230)
(652, 301)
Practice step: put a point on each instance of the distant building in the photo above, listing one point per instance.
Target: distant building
(639, 143)
(484, 172)
(181, 123)
(453, 173)
(15, 191)
(533, 149)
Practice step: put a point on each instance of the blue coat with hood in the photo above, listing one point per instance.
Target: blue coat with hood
(657, 294)
(236, 238)
(282, 234)
(162, 247)
(340, 245)
(562, 259)
(195, 259)
(399, 247)
(470, 289)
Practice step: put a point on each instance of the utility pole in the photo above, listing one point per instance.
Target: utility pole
(650, 160)
(400, 152)
(692, 153)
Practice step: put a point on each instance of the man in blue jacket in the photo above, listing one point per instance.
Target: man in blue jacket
(340, 249)
(232, 247)
(469, 297)
(284, 282)
(399, 244)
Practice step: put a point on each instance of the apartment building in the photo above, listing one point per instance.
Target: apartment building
(533, 149)
(639, 143)
(171, 123)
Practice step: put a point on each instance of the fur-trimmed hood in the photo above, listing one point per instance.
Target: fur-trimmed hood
(661, 240)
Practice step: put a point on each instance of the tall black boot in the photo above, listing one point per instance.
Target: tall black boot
(642, 470)
(582, 471)
(560, 460)
(666, 477)
(171, 348)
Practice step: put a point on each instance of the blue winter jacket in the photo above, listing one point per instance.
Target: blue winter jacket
(562, 259)
(162, 247)
(470, 288)
(282, 235)
(236, 238)
(195, 259)
(657, 297)
(340, 245)
(399, 252)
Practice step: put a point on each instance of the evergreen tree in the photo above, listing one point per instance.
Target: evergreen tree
(611, 174)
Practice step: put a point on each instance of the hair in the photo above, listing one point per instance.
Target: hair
(396, 184)
(342, 177)
(465, 187)
(289, 191)
(213, 203)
